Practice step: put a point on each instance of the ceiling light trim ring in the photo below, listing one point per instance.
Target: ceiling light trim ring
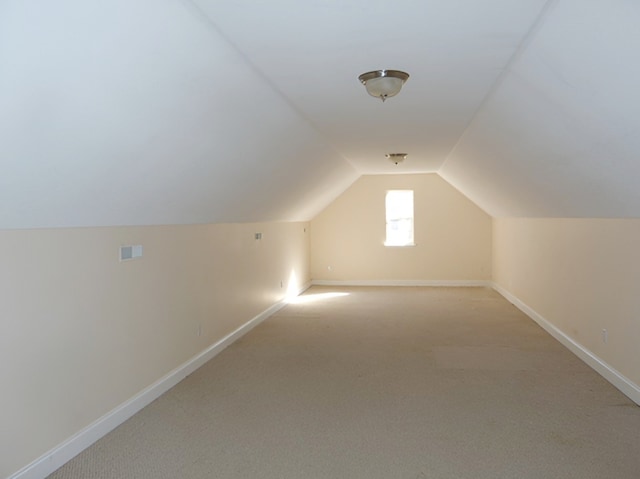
(404, 76)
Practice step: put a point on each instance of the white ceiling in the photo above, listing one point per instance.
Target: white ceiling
(560, 134)
(313, 51)
(193, 111)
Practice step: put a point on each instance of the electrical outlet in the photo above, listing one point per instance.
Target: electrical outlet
(199, 330)
(605, 336)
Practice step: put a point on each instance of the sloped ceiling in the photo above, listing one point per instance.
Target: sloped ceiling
(138, 112)
(192, 111)
(560, 133)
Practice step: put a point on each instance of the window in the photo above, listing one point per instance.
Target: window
(399, 208)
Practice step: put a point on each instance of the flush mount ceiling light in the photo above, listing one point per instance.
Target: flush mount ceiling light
(383, 83)
(396, 157)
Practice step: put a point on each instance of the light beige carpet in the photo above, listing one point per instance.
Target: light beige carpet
(386, 383)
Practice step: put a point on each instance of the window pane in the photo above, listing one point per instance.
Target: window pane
(399, 213)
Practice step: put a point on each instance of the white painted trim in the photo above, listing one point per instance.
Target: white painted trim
(403, 282)
(620, 381)
(67, 450)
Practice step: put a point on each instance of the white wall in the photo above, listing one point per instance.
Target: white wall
(582, 276)
(452, 235)
(83, 332)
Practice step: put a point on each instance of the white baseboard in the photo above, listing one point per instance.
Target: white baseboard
(403, 282)
(67, 450)
(620, 381)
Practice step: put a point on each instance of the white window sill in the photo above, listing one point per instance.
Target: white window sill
(408, 245)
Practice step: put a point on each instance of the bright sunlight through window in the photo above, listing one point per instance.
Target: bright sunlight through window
(399, 208)
(310, 298)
